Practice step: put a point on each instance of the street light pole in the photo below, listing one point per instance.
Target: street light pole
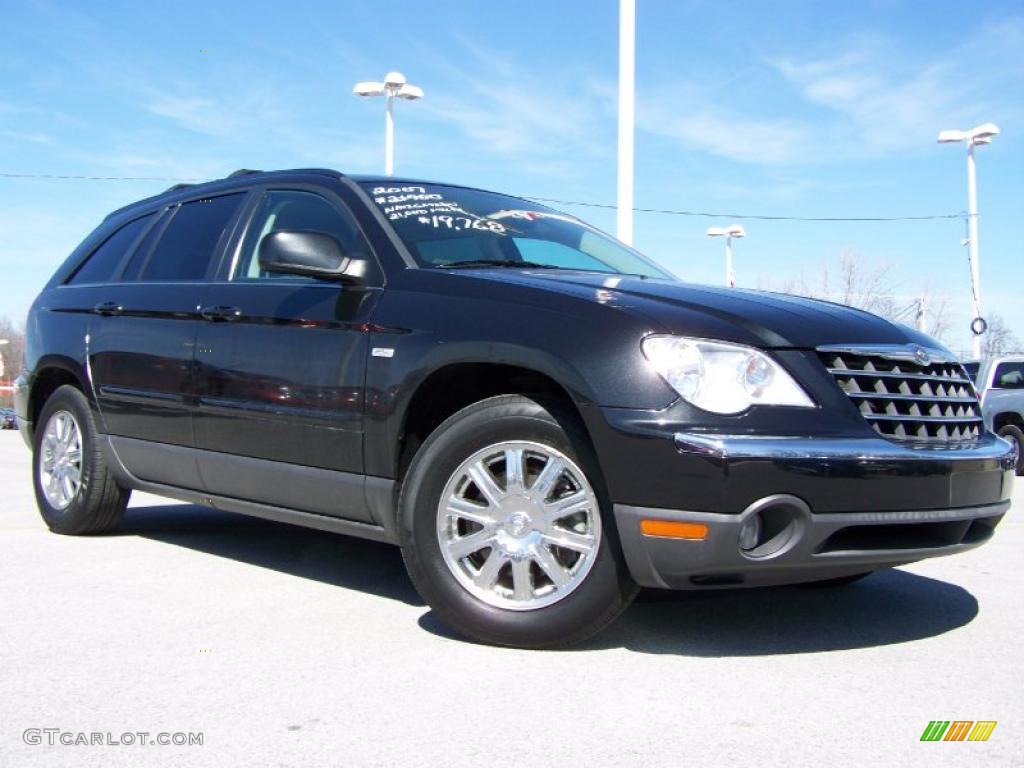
(972, 242)
(394, 85)
(734, 230)
(982, 134)
(730, 275)
(627, 108)
(389, 137)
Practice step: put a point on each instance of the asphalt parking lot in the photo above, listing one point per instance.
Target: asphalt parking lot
(288, 647)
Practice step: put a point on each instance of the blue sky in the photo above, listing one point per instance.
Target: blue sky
(783, 108)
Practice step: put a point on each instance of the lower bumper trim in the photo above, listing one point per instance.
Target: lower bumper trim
(805, 547)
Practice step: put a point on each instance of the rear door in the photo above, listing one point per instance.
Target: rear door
(281, 363)
(142, 340)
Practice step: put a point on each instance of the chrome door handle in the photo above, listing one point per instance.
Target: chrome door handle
(108, 308)
(219, 314)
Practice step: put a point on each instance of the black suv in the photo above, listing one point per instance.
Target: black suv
(541, 418)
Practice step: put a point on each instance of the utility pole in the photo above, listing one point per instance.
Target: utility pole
(982, 134)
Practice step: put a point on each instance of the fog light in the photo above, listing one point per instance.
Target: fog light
(750, 532)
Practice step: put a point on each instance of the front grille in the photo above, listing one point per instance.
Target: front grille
(905, 400)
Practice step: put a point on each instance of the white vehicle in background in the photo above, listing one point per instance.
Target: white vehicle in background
(1000, 384)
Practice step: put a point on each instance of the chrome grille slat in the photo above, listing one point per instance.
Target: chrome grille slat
(889, 375)
(912, 398)
(904, 399)
(932, 419)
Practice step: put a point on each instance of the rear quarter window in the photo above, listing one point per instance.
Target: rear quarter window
(102, 263)
(189, 243)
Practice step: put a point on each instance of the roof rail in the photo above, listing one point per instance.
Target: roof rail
(235, 175)
(241, 172)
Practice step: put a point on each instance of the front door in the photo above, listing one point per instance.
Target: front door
(281, 363)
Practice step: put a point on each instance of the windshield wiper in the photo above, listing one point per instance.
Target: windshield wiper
(493, 263)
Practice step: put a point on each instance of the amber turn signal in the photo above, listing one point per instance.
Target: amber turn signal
(673, 530)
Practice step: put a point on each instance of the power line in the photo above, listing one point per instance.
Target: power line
(93, 178)
(761, 217)
(609, 206)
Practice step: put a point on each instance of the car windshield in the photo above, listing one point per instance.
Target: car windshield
(451, 227)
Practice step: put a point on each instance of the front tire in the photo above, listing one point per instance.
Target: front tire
(506, 531)
(1015, 433)
(75, 492)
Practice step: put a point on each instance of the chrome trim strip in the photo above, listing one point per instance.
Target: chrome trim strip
(856, 449)
(933, 378)
(926, 419)
(914, 398)
(904, 352)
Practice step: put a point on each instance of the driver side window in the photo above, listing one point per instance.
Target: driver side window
(294, 209)
(1009, 376)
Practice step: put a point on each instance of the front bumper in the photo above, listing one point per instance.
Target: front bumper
(814, 547)
(854, 516)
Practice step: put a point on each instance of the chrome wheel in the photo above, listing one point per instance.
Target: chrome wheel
(519, 525)
(60, 460)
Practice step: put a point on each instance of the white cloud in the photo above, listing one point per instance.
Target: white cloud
(193, 112)
(504, 107)
(883, 100)
(33, 137)
(863, 97)
(723, 132)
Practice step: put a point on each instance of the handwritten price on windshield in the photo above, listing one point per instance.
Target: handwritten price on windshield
(459, 223)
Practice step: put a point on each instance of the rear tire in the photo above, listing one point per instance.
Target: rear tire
(1015, 433)
(479, 536)
(75, 492)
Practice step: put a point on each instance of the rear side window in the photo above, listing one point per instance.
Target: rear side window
(101, 265)
(1009, 376)
(188, 244)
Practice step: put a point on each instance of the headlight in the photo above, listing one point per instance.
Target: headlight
(720, 377)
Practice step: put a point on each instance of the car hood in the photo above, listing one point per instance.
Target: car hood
(730, 314)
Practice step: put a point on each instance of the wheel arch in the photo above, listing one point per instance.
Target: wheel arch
(450, 387)
(1007, 418)
(52, 372)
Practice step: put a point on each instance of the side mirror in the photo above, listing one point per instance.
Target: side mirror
(313, 254)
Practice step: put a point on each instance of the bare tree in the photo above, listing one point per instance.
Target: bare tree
(999, 339)
(11, 352)
(936, 309)
(853, 280)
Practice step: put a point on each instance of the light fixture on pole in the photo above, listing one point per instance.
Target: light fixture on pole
(733, 230)
(982, 134)
(627, 109)
(394, 86)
